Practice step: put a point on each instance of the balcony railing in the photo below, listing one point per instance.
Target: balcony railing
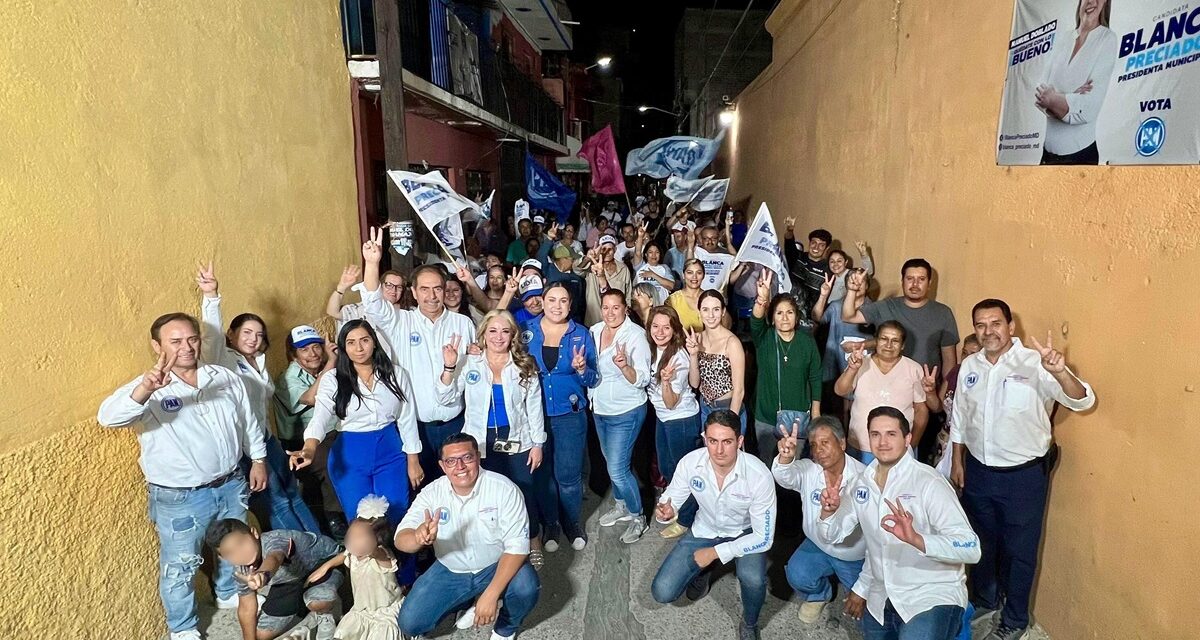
(426, 48)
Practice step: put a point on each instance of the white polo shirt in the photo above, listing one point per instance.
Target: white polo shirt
(746, 501)
(808, 479)
(378, 408)
(188, 435)
(259, 385)
(915, 582)
(476, 529)
(1001, 411)
(614, 394)
(417, 345)
(688, 405)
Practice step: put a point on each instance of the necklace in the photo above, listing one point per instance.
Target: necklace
(786, 351)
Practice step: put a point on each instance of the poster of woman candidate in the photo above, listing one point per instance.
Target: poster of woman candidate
(1102, 82)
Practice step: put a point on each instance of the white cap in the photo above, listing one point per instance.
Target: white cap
(606, 239)
(304, 335)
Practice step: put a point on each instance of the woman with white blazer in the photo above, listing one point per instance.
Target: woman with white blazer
(498, 381)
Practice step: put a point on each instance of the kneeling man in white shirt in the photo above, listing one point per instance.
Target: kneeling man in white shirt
(914, 576)
(476, 522)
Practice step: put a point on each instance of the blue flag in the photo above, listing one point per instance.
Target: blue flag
(546, 192)
(684, 156)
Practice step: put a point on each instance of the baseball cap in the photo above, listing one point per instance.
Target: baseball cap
(560, 252)
(531, 263)
(304, 335)
(530, 286)
(539, 219)
(607, 239)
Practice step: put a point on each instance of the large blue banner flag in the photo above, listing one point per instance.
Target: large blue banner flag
(546, 192)
(684, 156)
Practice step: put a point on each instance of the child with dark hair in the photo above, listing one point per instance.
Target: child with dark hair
(377, 595)
(277, 563)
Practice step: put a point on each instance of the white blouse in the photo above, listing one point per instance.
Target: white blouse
(1094, 63)
(378, 408)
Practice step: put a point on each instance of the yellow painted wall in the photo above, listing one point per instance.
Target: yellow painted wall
(877, 120)
(136, 137)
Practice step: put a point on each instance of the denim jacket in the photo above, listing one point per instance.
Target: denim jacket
(563, 389)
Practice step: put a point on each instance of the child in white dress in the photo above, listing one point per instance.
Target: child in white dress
(377, 595)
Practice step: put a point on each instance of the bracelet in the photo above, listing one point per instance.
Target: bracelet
(445, 368)
(340, 293)
(259, 461)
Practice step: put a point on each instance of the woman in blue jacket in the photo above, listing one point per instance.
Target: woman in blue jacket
(566, 358)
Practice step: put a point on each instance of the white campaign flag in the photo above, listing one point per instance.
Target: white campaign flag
(716, 268)
(431, 197)
(704, 194)
(520, 210)
(761, 246)
(485, 209)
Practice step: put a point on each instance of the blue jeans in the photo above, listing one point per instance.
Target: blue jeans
(617, 436)
(939, 623)
(373, 462)
(439, 591)
(674, 439)
(180, 518)
(433, 434)
(281, 502)
(568, 434)
(679, 568)
(809, 569)
(706, 409)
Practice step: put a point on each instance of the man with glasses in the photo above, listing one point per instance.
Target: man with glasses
(393, 292)
(475, 521)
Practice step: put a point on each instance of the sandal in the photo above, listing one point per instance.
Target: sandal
(537, 559)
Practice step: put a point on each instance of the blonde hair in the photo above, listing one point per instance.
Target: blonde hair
(520, 355)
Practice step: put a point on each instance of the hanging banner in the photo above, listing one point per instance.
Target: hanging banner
(431, 196)
(1102, 82)
(685, 156)
(546, 192)
(704, 194)
(716, 267)
(762, 246)
(600, 151)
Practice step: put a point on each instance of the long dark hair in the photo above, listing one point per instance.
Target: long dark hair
(347, 376)
(235, 326)
(677, 338)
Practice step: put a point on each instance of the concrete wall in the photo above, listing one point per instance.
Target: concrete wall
(878, 120)
(136, 138)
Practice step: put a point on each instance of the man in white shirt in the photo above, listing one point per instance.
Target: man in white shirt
(628, 247)
(417, 337)
(393, 291)
(1003, 453)
(914, 577)
(735, 522)
(193, 422)
(814, 561)
(475, 521)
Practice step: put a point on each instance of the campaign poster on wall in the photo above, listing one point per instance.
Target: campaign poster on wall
(1102, 82)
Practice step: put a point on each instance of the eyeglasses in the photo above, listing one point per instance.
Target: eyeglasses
(463, 460)
(393, 287)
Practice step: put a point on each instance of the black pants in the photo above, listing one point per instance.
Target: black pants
(1087, 155)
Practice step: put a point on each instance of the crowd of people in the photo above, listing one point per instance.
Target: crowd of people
(435, 447)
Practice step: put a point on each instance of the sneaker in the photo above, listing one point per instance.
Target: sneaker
(617, 514)
(579, 543)
(698, 587)
(810, 612)
(227, 603)
(551, 545)
(1005, 632)
(326, 626)
(746, 632)
(633, 532)
(496, 636)
(466, 620)
(189, 634)
(673, 530)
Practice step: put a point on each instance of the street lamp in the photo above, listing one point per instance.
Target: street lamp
(644, 108)
(727, 116)
(603, 63)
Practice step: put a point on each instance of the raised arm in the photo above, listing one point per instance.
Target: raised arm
(844, 385)
(856, 292)
(350, 275)
(212, 336)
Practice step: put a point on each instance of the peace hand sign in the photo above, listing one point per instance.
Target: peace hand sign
(620, 358)
(692, 342)
(855, 280)
(160, 375)
(578, 361)
(856, 356)
(512, 284)
(372, 249)
(206, 279)
(1052, 360)
(427, 531)
(552, 232)
(831, 499)
(827, 286)
(643, 231)
(861, 246)
(900, 524)
(349, 277)
(929, 380)
(789, 443)
(450, 351)
(764, 285)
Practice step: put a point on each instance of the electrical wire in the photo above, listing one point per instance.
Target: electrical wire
(703, 87)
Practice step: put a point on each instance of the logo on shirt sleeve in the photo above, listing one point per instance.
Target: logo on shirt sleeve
(815, 496)
(473, 377)
(861, 495)
(171, 404)
(443, 515)
(526, 336)
(414, 339)
(971, 379)
(697, 483)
